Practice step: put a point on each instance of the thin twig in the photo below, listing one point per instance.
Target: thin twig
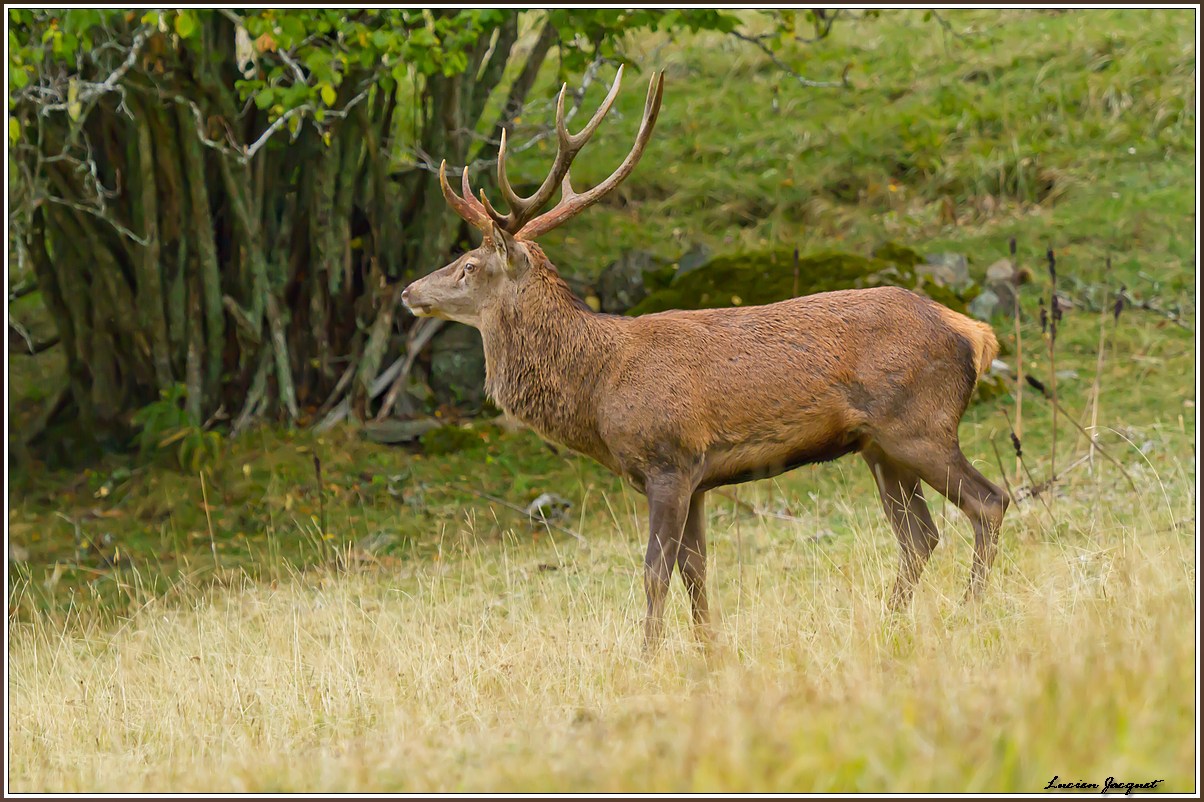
(1053, 367)
(944, 23)
(100, 213)
(843, 83)
(1002, 472)
(424, 161)
(1099, 369)
(516, 508)
(1035, 490)
(1147, 306)
(1019, 348)
(22, 289)
(761, 513)
(1020, 457)
(208, 520)
(1058, 409)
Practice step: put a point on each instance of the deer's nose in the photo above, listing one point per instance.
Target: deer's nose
(405, 296)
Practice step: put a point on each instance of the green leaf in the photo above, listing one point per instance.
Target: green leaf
(73, 104)
(328, 94)
(318, 62)
(14, 130)
(423, 38)
(292, 27)
(185, 24)
(264, 97)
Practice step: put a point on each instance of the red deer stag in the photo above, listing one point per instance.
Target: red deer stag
(681, 402)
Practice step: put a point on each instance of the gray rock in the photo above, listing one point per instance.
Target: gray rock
(948, 269)
(458, 366)
(399, 431)
(984, 306)
(1001, 280)
(1003, 270)
(548, 507)
(691, 260)
(621, 284)
(375, 542)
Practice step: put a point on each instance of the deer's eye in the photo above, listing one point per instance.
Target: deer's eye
(470, 268)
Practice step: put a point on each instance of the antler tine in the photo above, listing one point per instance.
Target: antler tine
(577, 141)
(568, 146)
(467, 206)
(497, 216)
(571, 204)
(466, 190)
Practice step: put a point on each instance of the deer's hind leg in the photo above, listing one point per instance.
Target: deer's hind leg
(903, 501)
(943, 466)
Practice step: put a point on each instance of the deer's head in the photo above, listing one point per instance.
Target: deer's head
(488, 276)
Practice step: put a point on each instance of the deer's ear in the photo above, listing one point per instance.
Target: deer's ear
(513, 255)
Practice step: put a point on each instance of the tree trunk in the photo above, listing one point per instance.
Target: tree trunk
(251, 281)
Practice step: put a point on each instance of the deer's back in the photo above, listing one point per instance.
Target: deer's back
(799, 381)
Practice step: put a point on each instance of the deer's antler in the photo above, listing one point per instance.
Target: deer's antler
(521, 220)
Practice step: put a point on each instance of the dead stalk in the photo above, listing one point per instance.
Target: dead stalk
(1002, 470)
(1057, 408)
(1055, 315)
(1019, 349)
(1099, 369)
(208, 520)
(1020, 458)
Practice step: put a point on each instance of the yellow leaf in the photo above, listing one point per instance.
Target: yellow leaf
(328, 94)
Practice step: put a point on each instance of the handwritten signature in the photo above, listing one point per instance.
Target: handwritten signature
(1110, 784)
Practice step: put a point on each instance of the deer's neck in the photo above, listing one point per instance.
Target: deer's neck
(545, 356)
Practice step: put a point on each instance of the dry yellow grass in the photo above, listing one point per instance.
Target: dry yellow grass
(487, 671)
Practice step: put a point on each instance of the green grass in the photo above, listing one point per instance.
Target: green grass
(428, 638)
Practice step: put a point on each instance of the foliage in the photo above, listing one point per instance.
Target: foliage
(167, 423)
(227, 184)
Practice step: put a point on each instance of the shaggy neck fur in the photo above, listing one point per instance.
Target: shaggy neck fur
(546, 355)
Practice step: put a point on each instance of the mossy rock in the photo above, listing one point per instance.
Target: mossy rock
(449, 440)
(763, 277)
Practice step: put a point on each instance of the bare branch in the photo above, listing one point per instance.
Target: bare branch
(99, 212)
(249, 151)
(786, 68)
(424, 161)
(21, 290)
(294, 66)
(20, 341)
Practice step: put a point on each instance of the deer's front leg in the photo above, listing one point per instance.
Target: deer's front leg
(692, 561)
(668, 506)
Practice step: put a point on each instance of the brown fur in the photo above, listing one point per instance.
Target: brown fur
(732, 391)
(980, 336)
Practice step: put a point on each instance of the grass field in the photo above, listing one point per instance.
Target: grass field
(397, 629)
